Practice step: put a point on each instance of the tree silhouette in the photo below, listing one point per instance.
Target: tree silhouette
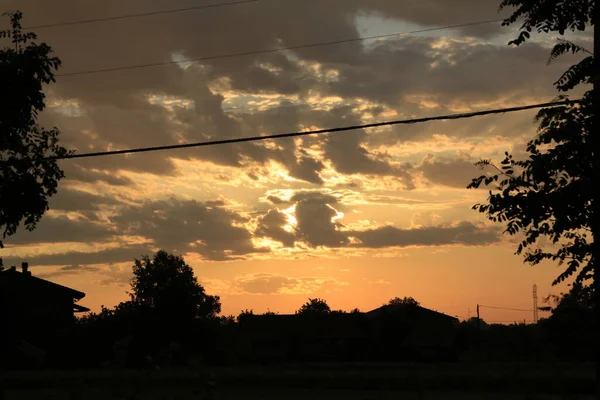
(551, 193)
(168, 319)
(396, 301)
(314, 307)
(244, 314)
(27, 177)
(579, 297)
(167, 286)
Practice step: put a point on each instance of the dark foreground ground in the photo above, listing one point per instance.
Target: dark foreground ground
(313, 382)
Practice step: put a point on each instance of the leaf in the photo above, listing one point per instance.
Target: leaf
(576, 74)
(564, 46)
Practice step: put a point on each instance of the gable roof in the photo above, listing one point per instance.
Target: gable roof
(11, 277)
(409, 311)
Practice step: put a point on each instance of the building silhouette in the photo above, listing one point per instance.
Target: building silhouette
(390, 331)
(34, 313)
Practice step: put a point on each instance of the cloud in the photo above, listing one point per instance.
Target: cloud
(456, 173)
(462, 233)
(68, 270)
(265, 283)
(189, 226)
(75, 172)
(60, 229)
(170, 104)
(272, 225)
(108, 256)
(319, 224)
(310, 182)
(73, 200)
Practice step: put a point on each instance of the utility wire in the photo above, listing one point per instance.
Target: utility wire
(140, 15)
(505, 322)
(505, 308)
(274, 50)
(316, 132)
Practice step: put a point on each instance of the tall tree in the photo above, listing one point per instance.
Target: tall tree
(27, 177)
(314, 307)
(166, 285)
(551, 194)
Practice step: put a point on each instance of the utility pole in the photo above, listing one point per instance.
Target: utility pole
(478, 317)
(595, 220)
(535, 304)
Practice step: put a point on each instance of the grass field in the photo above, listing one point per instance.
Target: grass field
(313, 382)
(290, 394)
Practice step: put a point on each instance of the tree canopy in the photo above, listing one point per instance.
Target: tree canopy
(549, 196)
(396, 301)
(548, 16)
(167, 285)
(314, 307)
(27, 177)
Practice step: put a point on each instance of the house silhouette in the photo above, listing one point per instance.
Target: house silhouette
(390, 331)
(34, 311)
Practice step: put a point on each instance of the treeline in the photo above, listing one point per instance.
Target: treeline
(170, 320)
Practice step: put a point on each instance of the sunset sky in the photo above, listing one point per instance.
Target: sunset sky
(354, 217)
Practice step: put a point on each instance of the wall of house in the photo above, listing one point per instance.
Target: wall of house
(32, 313)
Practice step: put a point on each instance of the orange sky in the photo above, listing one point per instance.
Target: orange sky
(356, 217)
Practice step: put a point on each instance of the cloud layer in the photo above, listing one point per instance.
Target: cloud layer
(340, 193)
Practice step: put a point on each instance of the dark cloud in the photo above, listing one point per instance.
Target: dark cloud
(68, 199)
(189, 226)
(271, 226)
(121, 110)
(75, 172)
(59, 229)
(455, 173)
(113, 109)
(463, 233)
(110, 256)
(316, 225)
(68, 270)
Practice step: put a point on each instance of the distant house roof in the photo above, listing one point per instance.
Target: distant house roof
(13, 277)
(78, 308)
(410, 311)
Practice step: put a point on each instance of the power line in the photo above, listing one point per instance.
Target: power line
(505, 322)
(316, 132)
(274, 50)
(140, 15)
(505, 308)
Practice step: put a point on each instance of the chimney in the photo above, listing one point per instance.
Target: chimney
(25, 268)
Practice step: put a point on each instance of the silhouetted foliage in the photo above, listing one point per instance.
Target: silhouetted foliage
(244, 314)
(548, 16)
(314, 306)
(167, 285)
(551, 193)
(27, 177)
(169, 320)
(570, 327)
(396, 301)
